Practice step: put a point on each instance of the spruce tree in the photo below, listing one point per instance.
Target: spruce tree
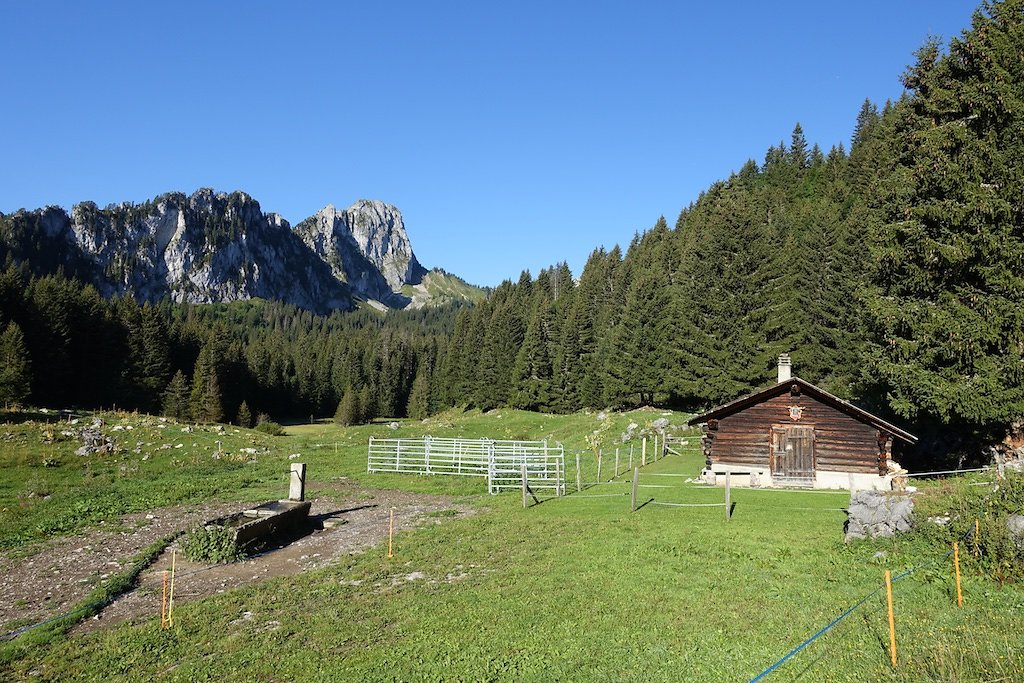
(947, 280)
(244, 417)
(176, 398)
(419, 396)
(15, 367)
(349, 411)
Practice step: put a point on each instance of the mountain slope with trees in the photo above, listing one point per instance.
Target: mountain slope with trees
(892, 272)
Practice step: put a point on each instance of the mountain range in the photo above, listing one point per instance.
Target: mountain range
(211, 247)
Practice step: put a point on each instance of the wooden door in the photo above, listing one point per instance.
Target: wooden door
(793, 455)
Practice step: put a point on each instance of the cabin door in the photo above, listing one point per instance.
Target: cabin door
(793, 455)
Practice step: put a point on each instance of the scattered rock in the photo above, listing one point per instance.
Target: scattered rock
(602, 416)
(393, 425)
(660, 424)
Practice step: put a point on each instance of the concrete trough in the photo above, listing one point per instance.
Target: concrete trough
(265, 521)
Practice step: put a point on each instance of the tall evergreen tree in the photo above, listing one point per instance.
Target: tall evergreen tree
(948, 280)
(14, 366)
(176, 398)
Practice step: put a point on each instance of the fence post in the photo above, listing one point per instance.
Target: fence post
(600, 454)
(728, 496)
(643, 452)
(558, 478)
(616, 463)
(892, 618)
(579, 486)
(630, 456)
(956, 564)
(636, 480)
(525, 504)
(369, 459)
(655, 448)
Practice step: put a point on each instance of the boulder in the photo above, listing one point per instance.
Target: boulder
(874, 514)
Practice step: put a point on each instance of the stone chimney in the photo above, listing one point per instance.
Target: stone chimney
(785, 368)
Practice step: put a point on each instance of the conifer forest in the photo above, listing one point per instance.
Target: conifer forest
(890, 266)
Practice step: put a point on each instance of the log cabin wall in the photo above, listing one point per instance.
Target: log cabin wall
(841, 442)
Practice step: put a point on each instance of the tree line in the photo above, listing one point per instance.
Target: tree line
(892, 272)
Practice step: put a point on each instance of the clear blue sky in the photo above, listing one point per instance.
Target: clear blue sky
(511, 135)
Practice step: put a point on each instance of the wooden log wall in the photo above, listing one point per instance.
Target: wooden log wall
(841, 443)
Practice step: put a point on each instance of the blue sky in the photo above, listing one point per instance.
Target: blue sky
(511, 135)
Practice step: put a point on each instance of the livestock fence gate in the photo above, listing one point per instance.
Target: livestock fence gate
(501, 462)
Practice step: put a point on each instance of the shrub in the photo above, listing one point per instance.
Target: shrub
(994, 552)
(267, 426)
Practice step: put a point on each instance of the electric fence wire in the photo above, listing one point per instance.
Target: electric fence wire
(853, 608)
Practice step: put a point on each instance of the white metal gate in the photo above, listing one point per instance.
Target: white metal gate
(500, 461)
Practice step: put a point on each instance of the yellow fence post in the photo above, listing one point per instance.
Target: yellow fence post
(170, 599)
(391, 531)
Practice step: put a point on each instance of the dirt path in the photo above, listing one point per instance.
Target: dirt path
(51, 581)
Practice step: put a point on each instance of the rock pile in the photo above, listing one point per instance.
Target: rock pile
(878, 513)
(93, 441)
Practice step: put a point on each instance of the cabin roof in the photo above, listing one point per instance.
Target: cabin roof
(811, 390)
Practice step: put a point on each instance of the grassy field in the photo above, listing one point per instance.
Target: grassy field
(576, 588)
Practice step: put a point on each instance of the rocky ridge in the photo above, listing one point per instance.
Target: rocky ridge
(218, 247)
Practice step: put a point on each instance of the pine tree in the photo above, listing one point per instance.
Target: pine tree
(15, 367)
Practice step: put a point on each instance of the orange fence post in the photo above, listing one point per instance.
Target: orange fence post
(892, 618)
(956, 564)
(163, 604)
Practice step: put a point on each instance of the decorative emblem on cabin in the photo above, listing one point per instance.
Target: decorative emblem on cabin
(796, 412)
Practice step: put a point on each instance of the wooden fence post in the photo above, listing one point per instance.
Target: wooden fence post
(616, 463)
(525, 504)
(728, 496)
(600, 455)
(579, 486)
(655, 448)
(643, 452)
(630, 456)
(636, 481)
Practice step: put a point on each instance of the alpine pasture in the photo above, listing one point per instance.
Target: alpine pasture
(576, 588)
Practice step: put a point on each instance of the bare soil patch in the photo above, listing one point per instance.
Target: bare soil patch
(344, 519)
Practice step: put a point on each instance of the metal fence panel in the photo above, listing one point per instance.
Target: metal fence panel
(500, 461)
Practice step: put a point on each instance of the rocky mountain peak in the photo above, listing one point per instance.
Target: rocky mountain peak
(367, 246)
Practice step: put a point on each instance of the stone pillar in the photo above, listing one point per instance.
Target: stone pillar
(297, 483)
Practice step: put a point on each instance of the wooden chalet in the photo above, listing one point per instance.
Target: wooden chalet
(795, 434)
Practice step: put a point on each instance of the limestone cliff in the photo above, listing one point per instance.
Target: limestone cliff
(217, 247)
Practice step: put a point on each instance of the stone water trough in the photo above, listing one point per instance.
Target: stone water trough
(272, 518)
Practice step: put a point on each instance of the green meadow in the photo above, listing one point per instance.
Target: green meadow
(576, 588)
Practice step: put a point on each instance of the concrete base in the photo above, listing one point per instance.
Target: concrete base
(748, 477)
